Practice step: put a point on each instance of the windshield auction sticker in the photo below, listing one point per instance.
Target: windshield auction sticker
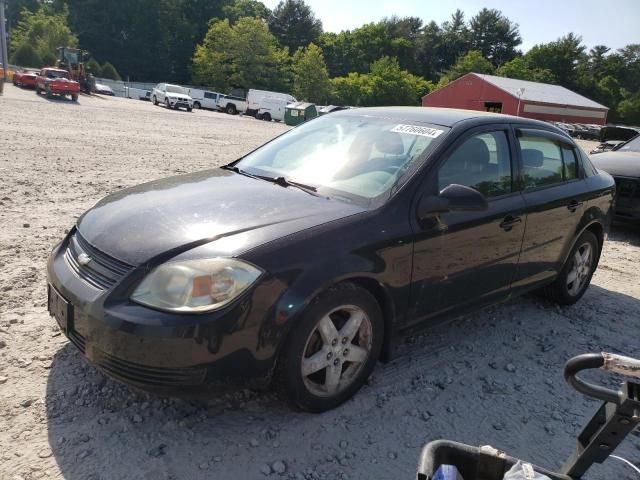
(417, 130)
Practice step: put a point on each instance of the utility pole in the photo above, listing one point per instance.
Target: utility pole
(3, 41)
(519, 92)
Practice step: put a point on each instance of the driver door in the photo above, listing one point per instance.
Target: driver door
(466, 258)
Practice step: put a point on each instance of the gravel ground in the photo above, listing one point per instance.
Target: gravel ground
(493, 377)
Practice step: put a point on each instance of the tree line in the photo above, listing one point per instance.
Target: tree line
(239, 44)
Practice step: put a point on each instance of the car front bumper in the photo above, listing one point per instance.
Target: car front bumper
(159, 350)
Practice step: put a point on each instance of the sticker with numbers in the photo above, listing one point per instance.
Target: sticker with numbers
(418, 130)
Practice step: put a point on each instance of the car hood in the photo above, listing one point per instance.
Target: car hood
(229, 211)
(626, 164)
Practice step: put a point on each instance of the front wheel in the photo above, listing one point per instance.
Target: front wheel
(189, 109)
(74, 97)
(333, 349)
(154, 100)
(266, 117)
(575, 276)
(231, 109)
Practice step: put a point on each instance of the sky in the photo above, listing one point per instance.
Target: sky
(614, 23)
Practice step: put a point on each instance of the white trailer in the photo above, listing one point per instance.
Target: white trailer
(255, 98)
(204, 98)
(272, 109)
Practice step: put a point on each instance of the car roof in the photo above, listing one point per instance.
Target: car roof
(447, 117)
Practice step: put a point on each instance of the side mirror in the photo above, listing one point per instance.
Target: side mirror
(453, 198)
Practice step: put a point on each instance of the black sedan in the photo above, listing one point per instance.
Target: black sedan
(300, 264)
(623, 163)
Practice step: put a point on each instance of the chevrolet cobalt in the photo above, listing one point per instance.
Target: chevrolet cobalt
(299, 265)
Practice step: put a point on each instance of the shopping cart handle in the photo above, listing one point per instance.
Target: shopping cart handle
(606, 361)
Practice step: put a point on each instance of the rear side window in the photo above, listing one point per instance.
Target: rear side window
(482, 162)
(570, 164)
(546, 161)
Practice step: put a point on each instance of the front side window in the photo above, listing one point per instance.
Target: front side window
(482, 162)
(362, 157)
(546, 161)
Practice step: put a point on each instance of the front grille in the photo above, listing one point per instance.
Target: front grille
(627, 188)
(145, 375)
(102, 271)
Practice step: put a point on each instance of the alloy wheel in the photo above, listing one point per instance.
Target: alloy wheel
(336, 350)
(581, 269)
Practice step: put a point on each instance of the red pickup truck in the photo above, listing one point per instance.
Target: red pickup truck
(55, 81)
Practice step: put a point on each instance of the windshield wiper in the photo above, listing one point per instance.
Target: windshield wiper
(282, 181)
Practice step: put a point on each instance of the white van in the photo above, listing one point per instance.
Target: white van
(272, 109)
(204, 98)
(255, 98)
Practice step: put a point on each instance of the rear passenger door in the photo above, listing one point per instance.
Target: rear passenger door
(554, 191)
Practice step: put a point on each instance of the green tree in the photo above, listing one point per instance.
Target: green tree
(14, 10)
(560, 57)
(494, 36)
(109, 71)
(385, 84)
(455, 40)
(26, 56)
(472, 61)
(521, 69)
(44, 30)
(629, 110)
(93, 67)
(310, 75)
(294, 24)
(245, 8)
(244, 55)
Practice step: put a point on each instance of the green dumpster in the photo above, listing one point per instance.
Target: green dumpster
(299, 112)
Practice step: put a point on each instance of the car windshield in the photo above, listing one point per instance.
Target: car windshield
(57, 74)
(176, 89)
(632, 145)
(357, 157)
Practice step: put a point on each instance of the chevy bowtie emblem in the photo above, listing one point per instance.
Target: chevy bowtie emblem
(83, 259)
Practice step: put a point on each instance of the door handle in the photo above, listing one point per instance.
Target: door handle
(509, 222)
(573, 205)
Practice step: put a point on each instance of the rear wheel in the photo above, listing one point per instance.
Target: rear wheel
(266, 117)
(333, 349)
(74, 97)
(196, 105)
(231, 109)
(575, 276)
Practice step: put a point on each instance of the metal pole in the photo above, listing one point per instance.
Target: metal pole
(3, 41)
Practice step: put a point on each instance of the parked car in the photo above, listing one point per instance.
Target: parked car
(204, 98)
(104, 90)
(55, 81)
(255, 99)
(623, 164)
(232, 104)
(303, 261)
(172, 96)
(272, 109)
(613, 136)
(25, 78)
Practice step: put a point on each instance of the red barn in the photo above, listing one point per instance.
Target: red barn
(542, 101)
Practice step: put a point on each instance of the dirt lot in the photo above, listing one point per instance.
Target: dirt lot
(493, 377)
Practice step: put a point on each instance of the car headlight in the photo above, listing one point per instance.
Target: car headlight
(194, 286)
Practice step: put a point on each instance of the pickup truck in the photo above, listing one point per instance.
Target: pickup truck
(231, 104)
(55, 81)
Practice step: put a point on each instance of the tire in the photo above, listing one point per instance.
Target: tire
(258, 116)
(188, 109)
(74, 97)
(231, 109)
(266, 117)
(166, 103)
(154, 100)
(48, 92)
(335, 312)
(575, 276)
(38, 90)
(196, 105)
